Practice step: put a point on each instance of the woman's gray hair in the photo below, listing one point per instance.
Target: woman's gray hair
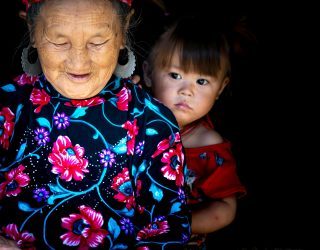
(123, 11)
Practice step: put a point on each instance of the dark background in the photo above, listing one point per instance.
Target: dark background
(266, 118)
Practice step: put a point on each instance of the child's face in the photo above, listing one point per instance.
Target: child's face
(189, 95)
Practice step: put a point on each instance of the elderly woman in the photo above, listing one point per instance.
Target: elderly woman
(88, 160)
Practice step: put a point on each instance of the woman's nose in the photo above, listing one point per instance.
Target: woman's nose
(79, 60)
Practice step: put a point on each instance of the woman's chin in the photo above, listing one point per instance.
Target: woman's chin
(79, 95)
(84, 90)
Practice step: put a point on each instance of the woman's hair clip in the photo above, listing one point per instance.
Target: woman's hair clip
(128, 2)
(28, 3)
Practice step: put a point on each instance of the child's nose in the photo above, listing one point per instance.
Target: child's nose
(187, 88)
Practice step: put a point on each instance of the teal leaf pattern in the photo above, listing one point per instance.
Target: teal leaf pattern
(21, 151)
(176, 207)
(9, 88)
(121, 147)
(151, 131)
(113, 228)
(18, 112)
(156, 192)
(126, 212)
(43, 122)
(80, 111)
(56, 189)
(25, 207)
(119, 246)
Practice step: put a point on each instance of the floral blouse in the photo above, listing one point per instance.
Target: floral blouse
(100, 173)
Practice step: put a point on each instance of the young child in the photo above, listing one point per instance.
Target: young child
(187, 70)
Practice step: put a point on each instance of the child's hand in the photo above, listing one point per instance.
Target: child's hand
(135, 79)
(6, 244)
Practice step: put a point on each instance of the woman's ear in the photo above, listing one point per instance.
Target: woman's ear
(147, 74)
(23, 15)
(126, 27)
(128, 18)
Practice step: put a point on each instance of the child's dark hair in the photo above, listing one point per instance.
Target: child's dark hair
(203, 47)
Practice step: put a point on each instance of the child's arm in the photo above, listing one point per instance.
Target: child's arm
(214, 215)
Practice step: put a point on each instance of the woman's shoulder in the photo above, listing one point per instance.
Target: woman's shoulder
(17, 90)
(151, 105)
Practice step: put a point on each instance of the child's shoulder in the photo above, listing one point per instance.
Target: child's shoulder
(204, 137)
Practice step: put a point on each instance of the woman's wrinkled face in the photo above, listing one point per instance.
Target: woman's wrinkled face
(78, 42)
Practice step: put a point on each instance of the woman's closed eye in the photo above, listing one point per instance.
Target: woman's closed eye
(97, 44)
(60, 45)
(58, 42)
(175, 76)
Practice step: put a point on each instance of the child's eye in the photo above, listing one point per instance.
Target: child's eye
(175, 75)
(202, 81)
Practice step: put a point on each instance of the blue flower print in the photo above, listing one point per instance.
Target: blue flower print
(107, 158)
(42, 136)
(182, 196)
(40, 194)
(127, 226)
(140, 148)
(61, 121)
(219, 160)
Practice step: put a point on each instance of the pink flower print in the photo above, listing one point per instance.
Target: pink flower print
(122, 184)
(173, 170)
(15, 179)
(140, 209)
(107, 158)
(39, 97)
(165, 144)
(25, 79)
(143, 248)
(84, 229)
(86, 103)
(61, 121)
(68, 160)
(42, 136)
(159, 226)
(6, 126)
(124, 97)
(24, 239)
(133, 130)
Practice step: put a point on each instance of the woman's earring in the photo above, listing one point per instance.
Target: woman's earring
(126, 63)
(32, 69)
